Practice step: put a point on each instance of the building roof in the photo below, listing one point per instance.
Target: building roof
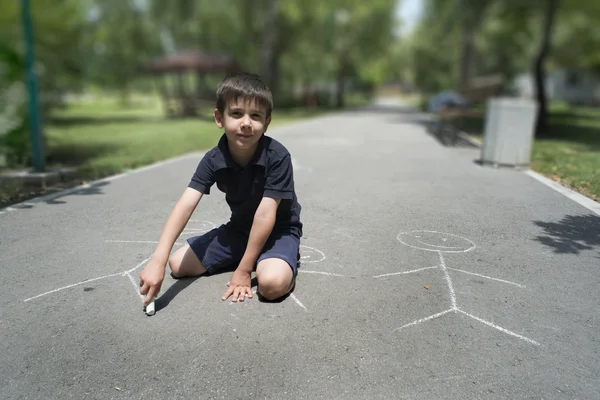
(191, 60)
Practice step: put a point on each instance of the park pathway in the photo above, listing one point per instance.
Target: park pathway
(424, 275)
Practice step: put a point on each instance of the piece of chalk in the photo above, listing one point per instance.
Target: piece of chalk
(149, 309)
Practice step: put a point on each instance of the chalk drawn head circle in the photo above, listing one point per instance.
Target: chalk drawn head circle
(310, 254)
(198, 227)
(436, 241)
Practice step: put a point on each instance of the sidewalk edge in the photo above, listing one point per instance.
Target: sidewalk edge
(571, 194)
(49, 197)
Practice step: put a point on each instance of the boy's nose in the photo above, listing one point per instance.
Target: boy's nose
(246, 120)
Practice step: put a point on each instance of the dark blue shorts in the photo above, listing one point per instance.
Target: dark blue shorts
(221, 249)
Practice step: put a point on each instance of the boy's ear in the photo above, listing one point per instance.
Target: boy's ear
(218, 118)
(267, 122)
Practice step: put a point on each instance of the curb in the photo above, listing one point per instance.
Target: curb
(49, 197)
(571, 194)
(565, 191)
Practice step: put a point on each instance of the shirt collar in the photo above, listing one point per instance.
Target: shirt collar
(223, 157)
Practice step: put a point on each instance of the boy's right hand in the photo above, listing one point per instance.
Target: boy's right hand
(151, 279)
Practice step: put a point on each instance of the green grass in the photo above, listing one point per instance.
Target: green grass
(569, 152)
(102, 138)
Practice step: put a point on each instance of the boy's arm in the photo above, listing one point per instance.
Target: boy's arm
(200, 184)
(177, 220)
(151, 277)
(279, 185)
(262, 225)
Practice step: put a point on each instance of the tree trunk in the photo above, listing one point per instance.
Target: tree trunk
(467, 61)
(339, 99)
(539, 71)
(474, 12)
(269, 57)
(341, 82)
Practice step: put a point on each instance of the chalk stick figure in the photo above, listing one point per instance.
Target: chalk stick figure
(441, 243)
(308, 255)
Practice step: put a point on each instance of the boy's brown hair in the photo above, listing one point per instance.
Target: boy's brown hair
(244, 85)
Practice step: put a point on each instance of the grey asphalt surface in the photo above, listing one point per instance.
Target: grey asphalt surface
(363, 178)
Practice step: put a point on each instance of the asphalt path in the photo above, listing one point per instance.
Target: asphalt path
(424, 275)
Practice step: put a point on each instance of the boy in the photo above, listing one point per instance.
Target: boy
(255, 172)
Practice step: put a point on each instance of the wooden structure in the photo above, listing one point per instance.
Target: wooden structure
(173, 73)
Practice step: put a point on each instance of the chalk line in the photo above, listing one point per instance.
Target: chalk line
(131, 241)
(487, 277)
(409, 238)
(406, 272)
(122, 273)
(418, 321)
(412, 237)
(72, 285)
(501, 329)
(448, 280)
(135, 286)
(138, 265)
(320, 273)
(303, 258)
(137, 241)
(297, 301)
(440, 247)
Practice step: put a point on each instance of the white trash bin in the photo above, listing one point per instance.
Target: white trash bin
(509, 132)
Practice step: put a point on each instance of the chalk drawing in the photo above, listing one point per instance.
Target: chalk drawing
(436, 241)
(446, 243)
(307, 255)
(297, 301)
(126, 273)
(199, 227)
(310, 255)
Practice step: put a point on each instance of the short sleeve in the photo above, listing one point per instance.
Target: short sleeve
(204, 177)
(279, 179)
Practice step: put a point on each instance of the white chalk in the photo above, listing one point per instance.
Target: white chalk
(150, 309)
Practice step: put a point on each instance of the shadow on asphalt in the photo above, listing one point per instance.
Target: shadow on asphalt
(91, 189)
(183, 283)
(179, 285)
(52, 195)
(572, 234)
(444, 135)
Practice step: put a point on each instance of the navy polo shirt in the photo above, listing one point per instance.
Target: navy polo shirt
(269, 173)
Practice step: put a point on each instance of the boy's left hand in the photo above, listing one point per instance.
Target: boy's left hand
(239, 286)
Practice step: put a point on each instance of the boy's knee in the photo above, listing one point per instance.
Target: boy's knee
(184, 263)
(174, 264)
(272, 287)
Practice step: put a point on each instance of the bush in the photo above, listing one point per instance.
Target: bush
(13, 99)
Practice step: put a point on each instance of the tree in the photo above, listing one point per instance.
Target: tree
(539, 70)
(120, 37)
(269, 49)
(471, 15)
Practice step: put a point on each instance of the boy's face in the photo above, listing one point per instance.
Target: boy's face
(244, 123)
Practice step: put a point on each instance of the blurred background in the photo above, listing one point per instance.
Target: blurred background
(103, 86)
